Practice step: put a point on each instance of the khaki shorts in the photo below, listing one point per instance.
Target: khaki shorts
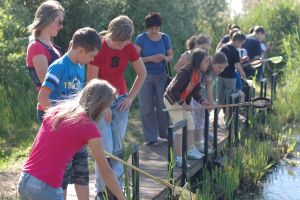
(179, 115)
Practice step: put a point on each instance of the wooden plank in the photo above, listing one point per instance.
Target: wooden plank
(153, 159)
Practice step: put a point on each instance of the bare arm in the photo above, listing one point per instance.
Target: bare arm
(43, 97)
(209, 91)
(40, 64)
(239, 67)
(141, 74)
(220, 45)
(169, 56)
(156, 58)
(105, 170)
(183, 60)
(92, 72)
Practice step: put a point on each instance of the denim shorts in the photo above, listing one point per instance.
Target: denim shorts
(77, 171)
(32, 188)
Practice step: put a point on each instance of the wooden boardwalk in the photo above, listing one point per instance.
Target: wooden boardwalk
(153, 159)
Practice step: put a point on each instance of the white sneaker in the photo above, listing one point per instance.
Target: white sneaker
(178, 162)
(201, 148)
(194, 154)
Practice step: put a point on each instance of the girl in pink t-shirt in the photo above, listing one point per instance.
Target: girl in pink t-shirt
(41, 52)
(65, 129)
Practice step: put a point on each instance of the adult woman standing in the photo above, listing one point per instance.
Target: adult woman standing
(110, 64)
(41, 52)
(155, 49)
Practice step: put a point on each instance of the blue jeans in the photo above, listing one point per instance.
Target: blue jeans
(226, 87)
(32, 188)
(112, 136)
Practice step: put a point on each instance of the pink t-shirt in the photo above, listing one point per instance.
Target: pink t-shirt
(54, 149)
(113, 63)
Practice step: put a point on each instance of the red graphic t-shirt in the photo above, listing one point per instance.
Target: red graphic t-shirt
(113, 63)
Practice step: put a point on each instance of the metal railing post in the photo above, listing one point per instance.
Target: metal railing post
(184, 153)
(135, 177)
(170, 155)
(252, 96)
(247, 109)
(265, 89)
(206, 129)
(216, 132)
(230, 123)
(261, 87)
(236, 122)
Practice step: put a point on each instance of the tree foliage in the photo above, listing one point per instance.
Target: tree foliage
(16, 90)
(278, 17)
(18, 96)
(212, 19)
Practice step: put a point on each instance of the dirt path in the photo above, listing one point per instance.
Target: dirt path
(8, 185)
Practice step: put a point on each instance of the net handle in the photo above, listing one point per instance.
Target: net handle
(267, 100)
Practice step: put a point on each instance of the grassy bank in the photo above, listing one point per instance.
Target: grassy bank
(262, 145)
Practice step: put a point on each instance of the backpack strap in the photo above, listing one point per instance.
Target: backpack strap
(168, 67)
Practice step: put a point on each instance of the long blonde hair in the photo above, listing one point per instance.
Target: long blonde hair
(119, 29)
(44, 16)
(92, 101)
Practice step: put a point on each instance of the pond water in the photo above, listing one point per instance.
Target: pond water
(282, 183)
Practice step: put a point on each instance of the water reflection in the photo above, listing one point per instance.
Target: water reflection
(283, 183)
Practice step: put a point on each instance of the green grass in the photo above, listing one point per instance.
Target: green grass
(134, 128)
(15, 147)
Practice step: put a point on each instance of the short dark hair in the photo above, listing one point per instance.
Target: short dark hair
(197, 58)
(219, 58)
(153, 19)
(238, 36)
(203, 39)
(232, 31)
(259, 29)
(232, 26)
(87, 38)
